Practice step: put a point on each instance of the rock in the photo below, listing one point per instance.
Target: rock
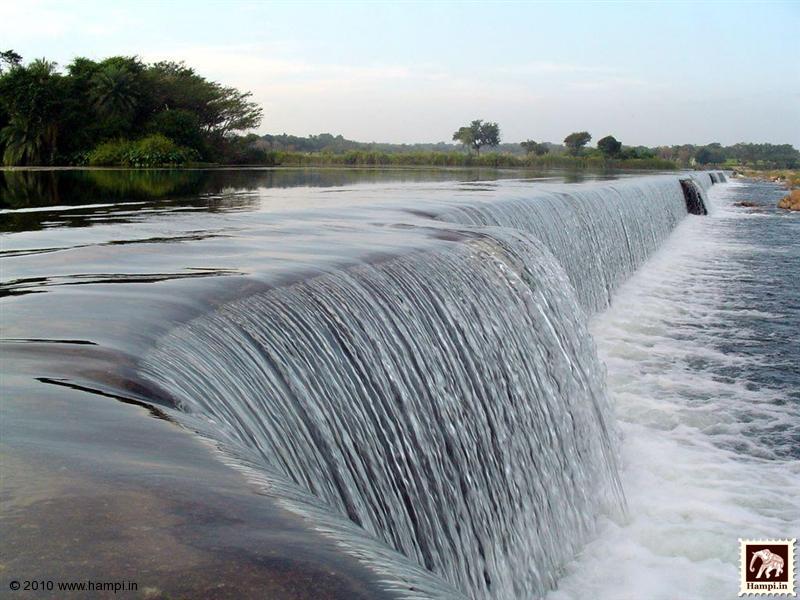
(791, 202)
(746, 204)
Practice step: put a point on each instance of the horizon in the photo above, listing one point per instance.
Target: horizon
(656, 75)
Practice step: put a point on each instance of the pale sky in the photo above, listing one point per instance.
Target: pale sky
(648, 73)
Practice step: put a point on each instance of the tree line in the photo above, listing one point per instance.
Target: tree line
(123, 111)
(120, 110)
(767, 156)
(758, 156)
(478, 134)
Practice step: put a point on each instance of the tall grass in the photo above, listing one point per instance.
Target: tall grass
(364, 158)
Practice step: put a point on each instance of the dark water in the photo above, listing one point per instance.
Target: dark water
(399, 360)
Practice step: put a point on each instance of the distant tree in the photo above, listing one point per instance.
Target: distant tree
(490, 134)
(637, 152)
(764, 155)
(536, 148)
(710, 154)
(703, 156)
(467, 136)
(609, 146)
(576, 141)
(9, 59)
(478, 134)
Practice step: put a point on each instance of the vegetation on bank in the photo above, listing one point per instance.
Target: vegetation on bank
(117, 111)
(364, 158)
(788, 177)
(742, 155)
(151, 151)
(123, 112)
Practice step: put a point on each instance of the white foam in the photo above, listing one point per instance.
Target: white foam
(695, 480)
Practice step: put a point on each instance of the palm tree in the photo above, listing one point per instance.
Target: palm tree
(24, 142)
(114, 91)
(31, 135)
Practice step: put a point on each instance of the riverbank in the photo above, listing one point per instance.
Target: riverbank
(461, 159)
(368, 158)
(789, 178)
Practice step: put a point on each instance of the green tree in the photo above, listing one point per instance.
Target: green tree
(32, 97)
(221, 110)
(115, 91)
(173, 85)
(180, 125)
(637, 152)
(609, 146)
(117, 99)
(23, 143)
(9, 60)
(478, 134)
(85, 126)
(536, 148)
(467, 136)
(576, 141)
(710, 154)
(233, 111)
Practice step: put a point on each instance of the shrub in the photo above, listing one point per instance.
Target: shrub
(151, 151)
(155, 150)
(181, 126)
(108, 153)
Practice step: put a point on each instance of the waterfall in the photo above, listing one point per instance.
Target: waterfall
(695, 201)
(599, 235)
(442, 411)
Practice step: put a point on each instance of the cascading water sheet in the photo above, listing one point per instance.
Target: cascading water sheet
(447, 403)
(701, 348)
(599, 235)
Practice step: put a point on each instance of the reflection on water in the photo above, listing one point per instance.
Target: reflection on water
(26, 189)
(32, 285)
(38, 188)
(25, 193)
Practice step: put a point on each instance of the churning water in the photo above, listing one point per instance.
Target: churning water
(423, 381)
(701, 347)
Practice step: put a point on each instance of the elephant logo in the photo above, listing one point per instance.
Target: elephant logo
(767, 567)
(769, 562)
